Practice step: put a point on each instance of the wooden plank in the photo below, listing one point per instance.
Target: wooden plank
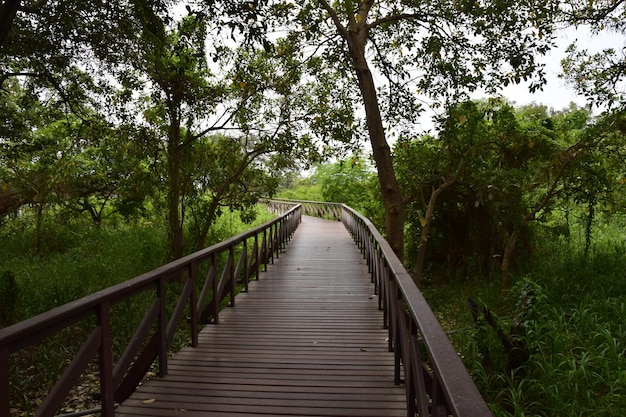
(307, 339)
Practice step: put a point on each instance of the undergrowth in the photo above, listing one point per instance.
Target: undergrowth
(573, 329)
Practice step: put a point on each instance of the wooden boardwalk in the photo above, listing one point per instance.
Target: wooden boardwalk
(306, 340)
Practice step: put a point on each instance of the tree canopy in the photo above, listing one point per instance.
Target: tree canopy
(599, 76)
(476, 189)
(422, 50)
(109, 105)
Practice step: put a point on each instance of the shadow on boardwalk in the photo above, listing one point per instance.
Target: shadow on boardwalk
(306, 340)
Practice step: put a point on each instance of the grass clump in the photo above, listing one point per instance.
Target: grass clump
(97, 258)
(572, 328)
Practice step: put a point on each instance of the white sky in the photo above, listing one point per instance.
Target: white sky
(557, 93)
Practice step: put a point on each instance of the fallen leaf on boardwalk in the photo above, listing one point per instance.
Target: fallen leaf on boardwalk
(150, 401)
(363, 350)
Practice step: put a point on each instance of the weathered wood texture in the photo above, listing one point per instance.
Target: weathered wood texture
(306, 340)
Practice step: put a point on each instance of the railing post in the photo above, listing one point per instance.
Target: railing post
(271, 241)
(162, 328)
(193, 310)
(231, 275)
(399, 335)
(246, 264)
(255, 249)
(382, 288)
(5, 405)
(264, 247)
(216, 296)
(105, 361)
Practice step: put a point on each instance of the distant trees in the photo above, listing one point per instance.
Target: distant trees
(196, 106)
(351, 181)
(492, 171)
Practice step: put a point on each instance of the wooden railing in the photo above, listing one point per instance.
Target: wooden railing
(245, 255)
(329, 211)
(438, 385)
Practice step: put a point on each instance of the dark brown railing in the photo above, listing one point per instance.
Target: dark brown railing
(329, 211)
(245, 255)
(437, 383)
(441, 386)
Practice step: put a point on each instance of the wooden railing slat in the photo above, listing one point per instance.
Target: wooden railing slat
(452, 387)
(138, 370)
(446, 388)
(71, 375)
(135, 343)
(183, 299)
(208, 286)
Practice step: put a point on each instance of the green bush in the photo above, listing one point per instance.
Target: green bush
(574, 335)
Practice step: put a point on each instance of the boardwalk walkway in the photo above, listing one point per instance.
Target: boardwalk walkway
(306, 340)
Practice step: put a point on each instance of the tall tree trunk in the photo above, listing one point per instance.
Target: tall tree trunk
(210, 218)
(392, 196)
(507, 257)
(38, 226)
(8, 11)
(174, 163)
(430, 209)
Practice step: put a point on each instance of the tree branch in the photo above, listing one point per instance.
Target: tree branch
(395, 19)
(7, 15)
(335, 17)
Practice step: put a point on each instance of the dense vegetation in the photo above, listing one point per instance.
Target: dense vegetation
(132, 131)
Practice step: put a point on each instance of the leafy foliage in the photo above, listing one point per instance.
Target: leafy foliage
(351, 181)
(598, 76)
(573, 334)
(510, 168)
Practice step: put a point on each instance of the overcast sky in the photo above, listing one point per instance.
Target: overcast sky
(557, 93)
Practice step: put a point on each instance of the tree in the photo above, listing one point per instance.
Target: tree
(440, 48)
(598, 76)
(491, 172)
(62, 53)
(51, 157)
(261, 98)
(223, 173)
(351, 181)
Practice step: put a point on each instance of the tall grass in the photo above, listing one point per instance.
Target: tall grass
(84, 259)
(574, 330)
(76, 258)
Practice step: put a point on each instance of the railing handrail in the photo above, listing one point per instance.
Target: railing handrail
(449, 377)
(325, 210)
(274, 233)
(445, 387)
(37, 323)
(296, 201)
